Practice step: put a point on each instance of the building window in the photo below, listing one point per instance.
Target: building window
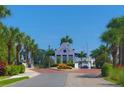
(64, 51)
(71, 57)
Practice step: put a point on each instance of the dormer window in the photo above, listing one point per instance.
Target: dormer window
(64, 51)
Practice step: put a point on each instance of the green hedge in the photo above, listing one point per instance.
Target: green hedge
(121, 76)
(14, 69)
(113, 73)
(106, 69)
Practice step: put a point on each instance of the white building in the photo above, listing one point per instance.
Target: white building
(87, 62)
(65, 53)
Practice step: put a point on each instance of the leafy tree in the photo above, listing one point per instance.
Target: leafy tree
(66, 39)
(101, 55)
(10, 37)
(19, 43)
(81, 55)
(4, 12)
(114, 36)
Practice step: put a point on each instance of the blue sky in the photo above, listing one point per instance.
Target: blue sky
(47, 24)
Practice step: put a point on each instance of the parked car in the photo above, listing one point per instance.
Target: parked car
(85, 66)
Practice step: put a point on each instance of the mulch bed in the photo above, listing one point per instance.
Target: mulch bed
(86, 71)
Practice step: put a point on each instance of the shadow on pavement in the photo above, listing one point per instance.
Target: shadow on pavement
(110, 85)
(89, 76)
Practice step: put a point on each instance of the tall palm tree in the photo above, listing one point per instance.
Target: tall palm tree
(2, 43)
(66, 39)
(95, 53)
(101, 55)
(4, 12)
(113, 38)
(28, 47)
(19, 41)
(10, 37)
(81, 55)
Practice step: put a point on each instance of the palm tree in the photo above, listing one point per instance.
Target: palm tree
(101, 55)
(95, 53)
(4, 12)
(10, 37)
(2, 43)
(113, 38)
(81, 55)
(19, 41)
(66, 39)
(31, 48)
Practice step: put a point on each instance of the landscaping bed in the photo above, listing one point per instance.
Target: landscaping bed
(113, 74)
(10, 70)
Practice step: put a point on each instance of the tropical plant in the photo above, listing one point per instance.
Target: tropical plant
(10, 38)
(101, 55)
(19, 43)
(66, 39)
(4, 12)
(114, 37)
(81, 55)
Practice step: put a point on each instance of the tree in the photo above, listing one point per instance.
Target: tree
(49, 53)
(114, 36)
(4, 12)
(10, 38)
(19, 42)
(3, 47)
(101, 55)
(66, 39)
(81, 55)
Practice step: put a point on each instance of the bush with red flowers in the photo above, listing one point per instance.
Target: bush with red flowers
(2, 68)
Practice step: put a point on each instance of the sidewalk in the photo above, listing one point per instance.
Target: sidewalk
(28, 73)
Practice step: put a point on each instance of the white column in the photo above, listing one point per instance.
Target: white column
(89, 65)
(67, 57)
(61, 58)
(55, 59)
(76, 65)
(73, 58)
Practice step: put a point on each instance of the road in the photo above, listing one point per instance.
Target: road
(65, 79)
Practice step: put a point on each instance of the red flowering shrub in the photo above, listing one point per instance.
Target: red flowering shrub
(2, 68)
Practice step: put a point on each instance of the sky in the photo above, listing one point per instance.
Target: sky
(48, 24)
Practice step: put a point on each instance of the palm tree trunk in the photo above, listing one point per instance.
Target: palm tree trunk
(9, 54)
(27, 58)
(17, 55)
(114, 55)
(121, 54)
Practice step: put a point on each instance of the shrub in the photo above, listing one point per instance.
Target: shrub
(113, 74)
(54, 65)
(63, 66)
(2, 68)
(121, 76)
(106, 69)
(70, 63)
(22, 69)
(15, 69)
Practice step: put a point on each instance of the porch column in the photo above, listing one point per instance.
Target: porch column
(55, 59)
(61, 58)
(73, 58)
(67, 57)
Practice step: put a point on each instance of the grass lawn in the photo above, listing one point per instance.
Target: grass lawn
(9, 81)
(108, 79)
(113, 81)
(3, 77)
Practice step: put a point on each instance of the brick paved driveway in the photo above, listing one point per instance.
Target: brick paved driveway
(66, 78)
